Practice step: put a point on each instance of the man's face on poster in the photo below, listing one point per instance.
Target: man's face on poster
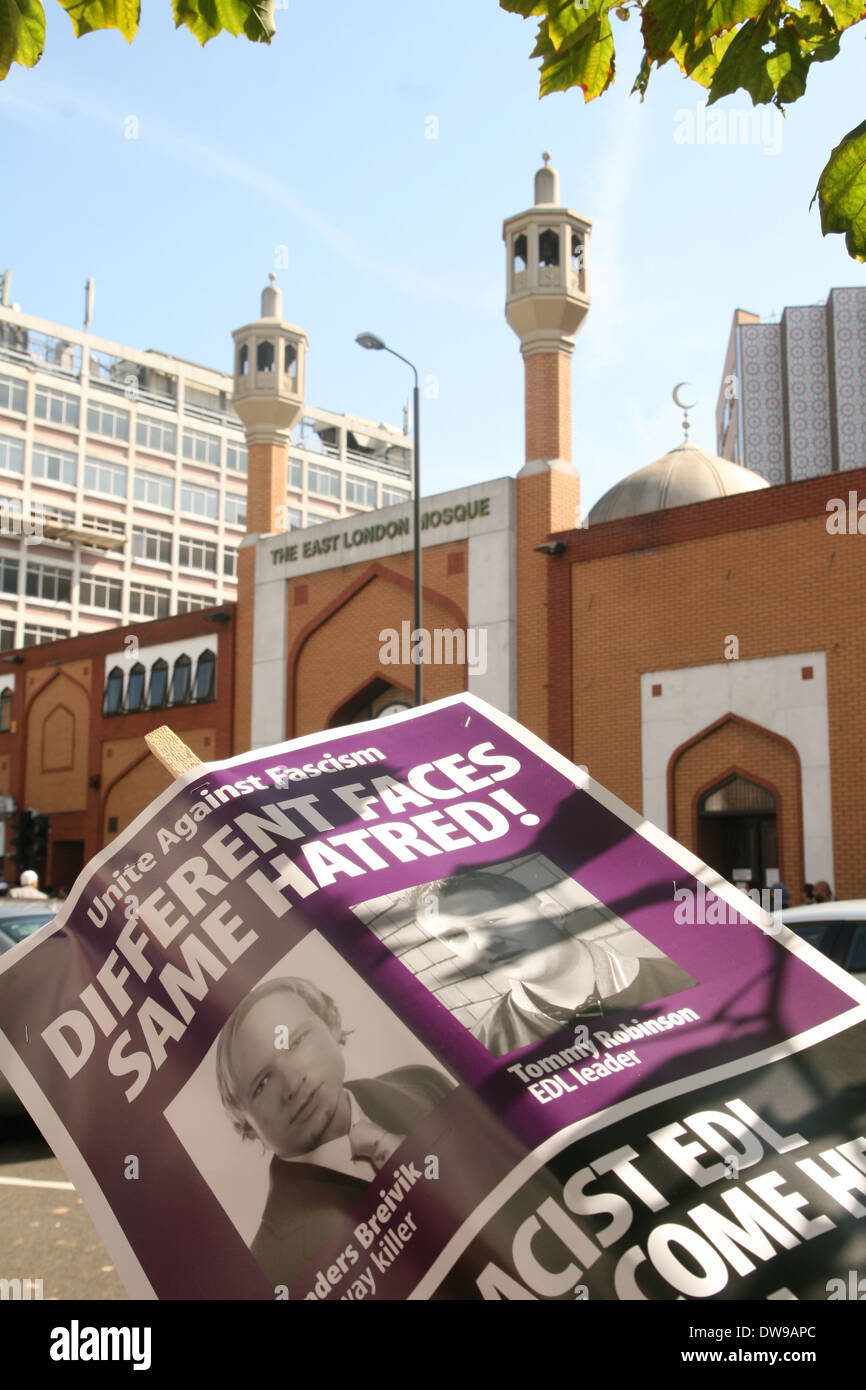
(290, 1094)
(493, 932)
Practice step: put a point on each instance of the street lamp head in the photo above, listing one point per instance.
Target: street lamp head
(369, 340)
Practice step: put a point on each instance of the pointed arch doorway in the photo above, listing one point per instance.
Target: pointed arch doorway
(738, 830)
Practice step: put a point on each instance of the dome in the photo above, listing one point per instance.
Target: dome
(687, 474)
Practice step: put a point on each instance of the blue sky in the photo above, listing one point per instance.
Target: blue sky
(317, 144)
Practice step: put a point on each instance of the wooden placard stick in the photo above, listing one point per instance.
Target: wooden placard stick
(171, 751)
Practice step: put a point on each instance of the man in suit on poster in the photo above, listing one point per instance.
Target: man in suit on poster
(329, 1137)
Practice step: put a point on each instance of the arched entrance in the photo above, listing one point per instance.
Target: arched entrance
(377, 700)
(737, 830)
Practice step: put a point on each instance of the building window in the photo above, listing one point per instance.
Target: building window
(199, 501)
(112, 700)
(193, 603)
(153, 490)
(265, 357)
(360, 491)
(296, 474)
(108, 420)
(49, 583)
(393, 496)
(294, 518)
(205, 673)
(158, 687)
(323, 480)
(236, 509)
(197, 555)
(230, 562)
(8, 575)
(156, 435)
(180, 681)
(54, 466)
(152, 545)
(13, 395)
(146, 601)
(236, 457)
(6, 708)
(135, 689)
(97, 592)
(56, 406)
(36, 636)
(314, 519)
(107, 478)
(243, 360)
(201, 448)
(7, 636)
(11, 455)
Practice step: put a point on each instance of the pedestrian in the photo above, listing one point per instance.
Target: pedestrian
(808, 892)
(823, 892)
(28, 886)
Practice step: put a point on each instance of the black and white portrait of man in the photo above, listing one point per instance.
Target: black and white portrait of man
(516, 962)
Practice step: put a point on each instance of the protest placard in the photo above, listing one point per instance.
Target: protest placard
(414, 1009)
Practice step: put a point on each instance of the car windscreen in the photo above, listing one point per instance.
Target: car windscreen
(17, 927)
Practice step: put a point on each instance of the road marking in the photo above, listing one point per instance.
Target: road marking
(37, 1182)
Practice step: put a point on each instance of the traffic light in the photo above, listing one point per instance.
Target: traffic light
(39, 830)
(21, 841)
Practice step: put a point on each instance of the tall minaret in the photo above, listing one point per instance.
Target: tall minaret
(269, 380)
(547, 299)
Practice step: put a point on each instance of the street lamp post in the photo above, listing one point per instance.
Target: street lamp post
(369, 340)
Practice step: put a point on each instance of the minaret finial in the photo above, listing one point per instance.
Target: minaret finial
(685, 407)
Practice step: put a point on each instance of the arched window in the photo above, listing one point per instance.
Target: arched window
(519, 253)
(205, 673)
(290, 360)
(265, 357)
(158, 684)
(243, 360)
(577, 252)
(135, 689)
(5, 711)
(180, 680)
(113, 700)
(548, 247)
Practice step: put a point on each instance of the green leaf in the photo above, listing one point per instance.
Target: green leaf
(89, 15)
(206, 18)
(22, 33)
(841, 192)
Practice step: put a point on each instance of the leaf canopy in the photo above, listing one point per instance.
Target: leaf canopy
(22, 22)
(763, 47)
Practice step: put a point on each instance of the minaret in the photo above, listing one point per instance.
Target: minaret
(547, 299)
(269, 381)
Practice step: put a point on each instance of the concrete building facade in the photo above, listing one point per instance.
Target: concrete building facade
(123, 481)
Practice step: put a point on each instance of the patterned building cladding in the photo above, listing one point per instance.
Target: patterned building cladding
(761, 389)
(848, 342)
(807, 384)
(802, 385)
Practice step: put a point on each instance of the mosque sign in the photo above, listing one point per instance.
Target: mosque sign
(355, 540)
(412, 1009)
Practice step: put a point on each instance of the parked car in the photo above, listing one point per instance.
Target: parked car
(19, 919)
(837, 930)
